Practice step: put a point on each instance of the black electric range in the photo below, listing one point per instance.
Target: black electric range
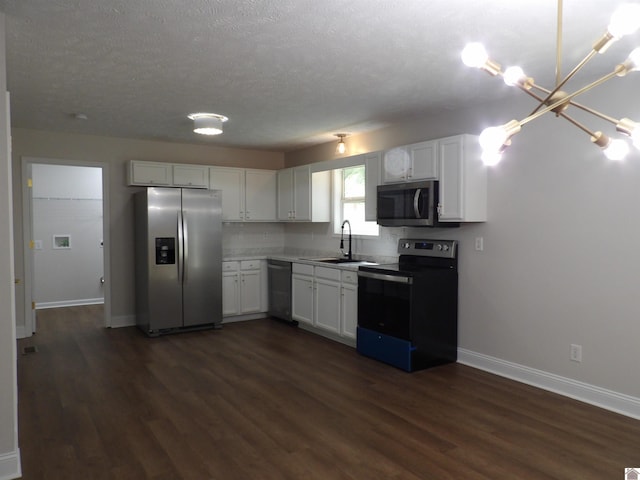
(408, 311)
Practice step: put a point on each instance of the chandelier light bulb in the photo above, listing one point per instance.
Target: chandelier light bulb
(474, 55)
(616, 150)
(492, 138)
(634, 59)
(491, 159)
(513, 76)
(625, 20)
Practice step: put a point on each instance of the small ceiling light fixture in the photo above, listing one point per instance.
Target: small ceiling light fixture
(207, 123)
(341, 148)
(494, 140)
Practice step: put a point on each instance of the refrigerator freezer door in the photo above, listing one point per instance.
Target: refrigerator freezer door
(202, 252)
(165, 288)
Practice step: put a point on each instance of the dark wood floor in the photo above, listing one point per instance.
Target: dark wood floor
(263, 400)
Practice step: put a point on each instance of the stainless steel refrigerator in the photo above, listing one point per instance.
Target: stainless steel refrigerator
(178, 259)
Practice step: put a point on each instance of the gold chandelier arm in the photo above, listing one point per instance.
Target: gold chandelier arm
(568, 98)
(564, 115)
(578, 124)
(575, 104)
(559, 44)
(596, 113)
(566, 79)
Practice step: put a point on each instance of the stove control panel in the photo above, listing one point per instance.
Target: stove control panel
(428, 248)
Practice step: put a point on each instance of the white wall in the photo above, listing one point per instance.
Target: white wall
(67, 200)
(562, 244)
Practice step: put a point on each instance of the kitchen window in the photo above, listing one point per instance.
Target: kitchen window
(349, 196)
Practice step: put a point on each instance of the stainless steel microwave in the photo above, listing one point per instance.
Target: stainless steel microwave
(413, 204)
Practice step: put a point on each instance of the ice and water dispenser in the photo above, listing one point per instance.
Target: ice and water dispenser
(165, 251)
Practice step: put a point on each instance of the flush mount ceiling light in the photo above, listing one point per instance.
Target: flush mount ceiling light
(494, 140)
(341, 148)
(207, 123)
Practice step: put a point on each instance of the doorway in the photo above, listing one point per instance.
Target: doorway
(70, 267)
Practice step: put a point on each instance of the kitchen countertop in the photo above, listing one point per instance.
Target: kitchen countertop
(306, 257)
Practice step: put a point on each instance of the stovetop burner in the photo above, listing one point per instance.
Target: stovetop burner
(417, 255)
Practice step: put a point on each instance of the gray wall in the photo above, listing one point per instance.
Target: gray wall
(561, 260)
(67, 200)
(115, 152)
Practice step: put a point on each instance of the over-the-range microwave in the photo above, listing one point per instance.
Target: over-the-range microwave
(413, 204)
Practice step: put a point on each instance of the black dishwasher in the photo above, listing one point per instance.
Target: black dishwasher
(279, 272)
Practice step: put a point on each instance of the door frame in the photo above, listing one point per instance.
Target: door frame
(27, 229)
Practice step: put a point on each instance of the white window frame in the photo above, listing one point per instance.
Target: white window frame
(339, 201)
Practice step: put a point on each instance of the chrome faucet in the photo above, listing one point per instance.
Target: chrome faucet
(348, 255)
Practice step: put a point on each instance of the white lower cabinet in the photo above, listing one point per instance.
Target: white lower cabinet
(349, 304)
(326, 311)
(326, 299)
(241, 287)
(302, 293)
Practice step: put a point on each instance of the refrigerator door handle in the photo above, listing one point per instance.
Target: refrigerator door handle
(185, 246)
(180, 260)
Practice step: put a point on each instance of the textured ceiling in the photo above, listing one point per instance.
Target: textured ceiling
(288, 73)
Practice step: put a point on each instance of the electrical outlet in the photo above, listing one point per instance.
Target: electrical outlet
(576, 352)
(479, 244)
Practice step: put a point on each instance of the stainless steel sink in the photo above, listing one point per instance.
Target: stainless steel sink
(334, 260)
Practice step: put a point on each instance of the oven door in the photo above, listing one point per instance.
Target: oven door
(384, 303)
(406, 204)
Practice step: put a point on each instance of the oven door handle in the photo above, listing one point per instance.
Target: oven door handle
(386, 278)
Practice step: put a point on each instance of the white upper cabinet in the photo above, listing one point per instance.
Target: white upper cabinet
(149, 173)
(371, 181)
(285, 194)
(260, 195)
(304, 196)
(463, 180)
(231, 182)
(194, 176)
(247, 195)
(418, 161)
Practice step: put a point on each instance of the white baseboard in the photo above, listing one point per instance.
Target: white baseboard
(123, 321)
(243, 318)
(10, 466)
(69, 303)
(600, 397)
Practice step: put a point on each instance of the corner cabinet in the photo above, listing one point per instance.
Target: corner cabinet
(463, 180)
(303, 195)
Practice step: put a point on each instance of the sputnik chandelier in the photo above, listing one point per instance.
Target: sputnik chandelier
(494, 140)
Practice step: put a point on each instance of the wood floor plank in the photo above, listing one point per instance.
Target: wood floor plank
(261, 399)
